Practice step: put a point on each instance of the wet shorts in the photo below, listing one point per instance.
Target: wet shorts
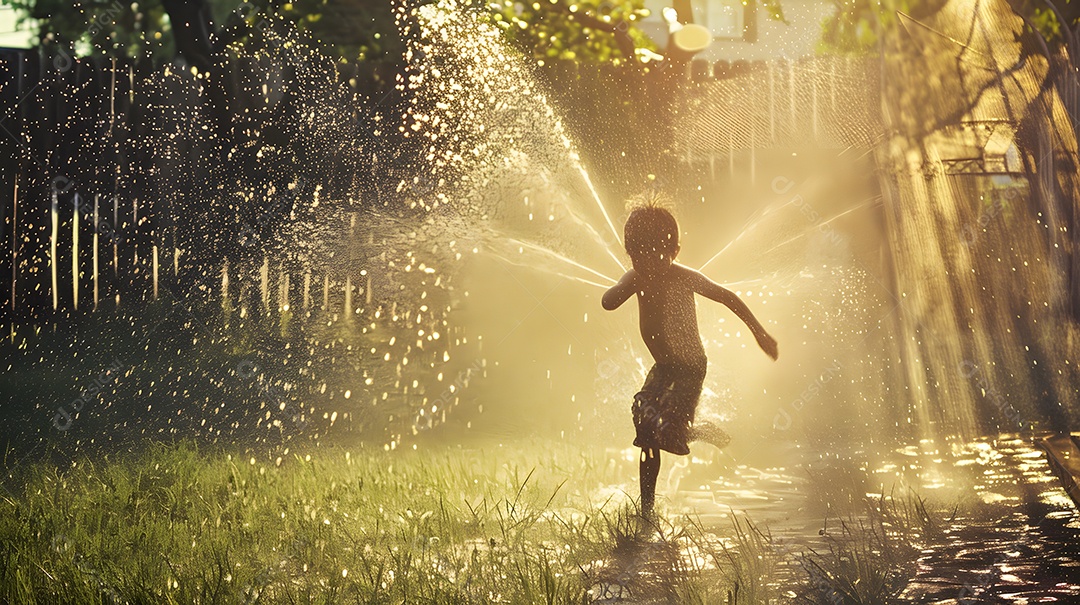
(664, 407)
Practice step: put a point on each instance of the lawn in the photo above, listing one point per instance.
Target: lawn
(527, 523)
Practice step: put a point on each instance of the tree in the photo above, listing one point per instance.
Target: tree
(195, 29)
(586, 30)
(857, 25)
(99, 27)
(1055, 21)
(593, 30)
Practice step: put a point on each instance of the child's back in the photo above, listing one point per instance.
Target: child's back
(668, 314)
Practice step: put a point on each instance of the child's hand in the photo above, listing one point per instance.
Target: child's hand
(768, 344)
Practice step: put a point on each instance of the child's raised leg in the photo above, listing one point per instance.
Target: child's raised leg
(649, 470)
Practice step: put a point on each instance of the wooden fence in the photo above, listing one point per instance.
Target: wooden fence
(103, 161)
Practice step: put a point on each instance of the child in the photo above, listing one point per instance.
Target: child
(664, 408)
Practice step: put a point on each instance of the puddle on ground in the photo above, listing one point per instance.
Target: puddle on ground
(1014, 538)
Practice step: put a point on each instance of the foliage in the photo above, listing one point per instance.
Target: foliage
(857, 25)
(1046, 22)
(1043, 16)
(775, 11)
(100, 27)
(354, 29)
(180, 524)
(573, 29)
(869, 558)
(350, 29)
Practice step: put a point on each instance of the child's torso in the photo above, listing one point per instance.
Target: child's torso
(668, 319)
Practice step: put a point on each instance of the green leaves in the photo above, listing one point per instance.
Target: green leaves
(573, 30)
(100, 27)
(857, 25)
(775, 11)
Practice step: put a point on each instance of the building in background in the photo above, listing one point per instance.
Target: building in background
(743, 30)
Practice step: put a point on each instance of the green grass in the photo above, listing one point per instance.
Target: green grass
(179, 524)
(500, 524)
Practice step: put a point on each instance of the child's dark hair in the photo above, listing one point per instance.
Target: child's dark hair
(650, 226)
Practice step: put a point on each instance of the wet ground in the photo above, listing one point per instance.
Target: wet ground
(1014, 536)
(1022, 545)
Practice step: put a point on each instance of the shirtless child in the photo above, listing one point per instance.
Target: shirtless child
(664, 408)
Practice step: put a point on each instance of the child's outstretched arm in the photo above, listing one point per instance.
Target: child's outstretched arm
(714, 291)
(620, 292)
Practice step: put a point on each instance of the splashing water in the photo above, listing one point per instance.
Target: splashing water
(490, 125)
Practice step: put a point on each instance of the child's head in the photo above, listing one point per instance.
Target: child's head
(651, 234)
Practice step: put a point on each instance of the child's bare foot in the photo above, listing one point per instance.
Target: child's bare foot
(708, 432)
